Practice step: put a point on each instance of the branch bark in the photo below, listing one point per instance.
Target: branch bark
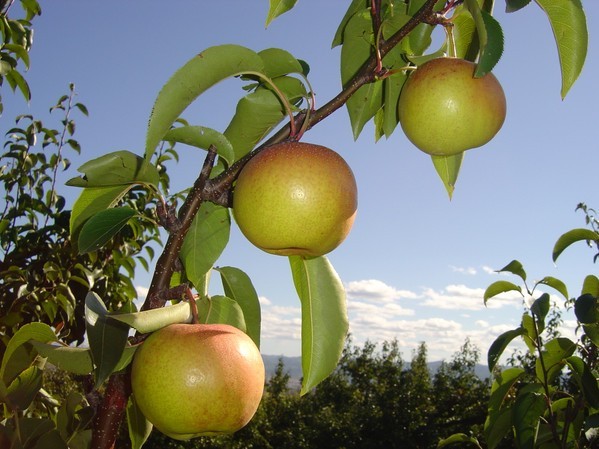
(111, 411)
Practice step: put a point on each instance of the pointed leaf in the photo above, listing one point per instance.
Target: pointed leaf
(585, 308)
(586, 380)
(279, 62)
(573, 236)
(554, 355)
(238, 286)
(107, 338)
(541, 307)
(516, 268)
(202, 137)
(30, 331)
(139, 427)
(556, 284)
(72, 359)
(500, 344)
(23, 389)
(590, 285)
(205, 241)
(115, 169)
(100, 228)
(278, 7)
(195, 77)
(499, 287)
(490, 37)
(515, 5)
(458, 438)
(221, 310)
(569, 26)
(356, 6)
(90, 202)
(151, 320)
(448, 169)
(527, 411)
(324, 317)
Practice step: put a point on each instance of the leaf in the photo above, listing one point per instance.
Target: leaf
(590, 285)
(238, 286)
(279, 62)
(586, 380)
(72, 359)
(30, 331)
(90, 202)
(554, 356)
(278, 7)
(199, 74)
(499, 287)
(515, 5)
(23, 389)
(107, 338)
(458, 438)
(205, 241)
(448, 169)
(151, 320)
(357, 47)
(139, 427)
(556, 284)
(527, 411)
(499, 345)
(541, 307)
(324, 317)
(573, 236)
(101, 227)
(516, 268)
(569, 26)
(202, 137)
(115, 169)
(221, 310)
(490, 37)
(585, 309)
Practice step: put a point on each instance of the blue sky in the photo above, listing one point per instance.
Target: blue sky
(416, 264)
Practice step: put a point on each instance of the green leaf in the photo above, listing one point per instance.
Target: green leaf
(527, 411)
(202, 137)
(590, 285)
(75, 360)
(151, 320)
(499, 287)
(16, 81)
(573, 236)
(90, 202)
(357, 47)
(586, 380)
(541, 308)
(464, 33)
(23, 389)
(448, 169)
(238, 286)
(458, 438)
(259, 112)
(278, 7)
(101, 227)
(585, 309)
(499, 345)
(516, 268)
(205, 241)
(515, 5)
(190, 81)
(556, 284)
(554, 356)
(324, 317)
(279, 62)
(490, 38)
(569, 26)
(116, 169)
(139, 427)
(30, 331)
(221, 310)
(107, 338)
(356, 6)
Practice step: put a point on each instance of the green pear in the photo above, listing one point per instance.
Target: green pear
(191, 380)
(444, 110)
(295, 198)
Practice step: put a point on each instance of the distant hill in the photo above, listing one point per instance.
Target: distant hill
(293, 366)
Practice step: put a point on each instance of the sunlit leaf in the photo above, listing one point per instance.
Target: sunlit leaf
(573, 236)
(278, 7)
(448, 169)
(221, 310)
(490, 38)
(590, 285)
(499, 287)
(514, 267)
(458, 438)
(205, 241)
(499, 345)
(569, 26)
(151, 320)
(554, 355)
(195, 77)
(279, 62)
(101, 227)
(107, 338)
(115, 169)
(23, 389)
(75, 360)
(556, 284)
(356, 6)
(202, 137)
(238, 286)
(324, 317)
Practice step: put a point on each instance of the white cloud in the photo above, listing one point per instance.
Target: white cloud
(461, 297)
(375, 290)
(489, 270)
(464, 270)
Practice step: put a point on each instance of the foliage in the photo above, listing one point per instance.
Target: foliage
(373, 400)
(62, 265)
(551, 399)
